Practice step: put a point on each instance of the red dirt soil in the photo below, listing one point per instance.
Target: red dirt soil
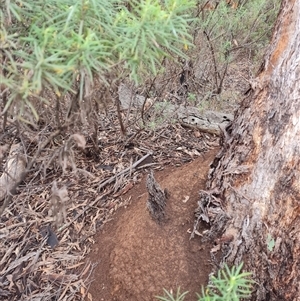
(137, 257)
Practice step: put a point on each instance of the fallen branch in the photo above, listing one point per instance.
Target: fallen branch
(130, 168)
(108, 181)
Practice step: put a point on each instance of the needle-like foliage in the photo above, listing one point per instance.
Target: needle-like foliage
(229, 285)
(62, 45)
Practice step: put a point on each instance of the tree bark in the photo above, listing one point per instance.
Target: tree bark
(253, 197)
(156, 202)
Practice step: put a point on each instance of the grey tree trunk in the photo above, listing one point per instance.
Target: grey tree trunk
(253, 197)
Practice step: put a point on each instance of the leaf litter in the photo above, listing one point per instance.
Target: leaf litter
(47, 230)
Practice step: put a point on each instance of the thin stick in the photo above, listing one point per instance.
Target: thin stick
(130, 168)
(110, 180)
(99, 198)
(216, 73)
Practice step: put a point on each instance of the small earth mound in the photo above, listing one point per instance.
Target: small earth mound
(136, 257)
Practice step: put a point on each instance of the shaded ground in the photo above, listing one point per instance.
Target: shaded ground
(137, 258)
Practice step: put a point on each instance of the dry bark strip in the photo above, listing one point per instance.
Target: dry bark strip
(18, 169)
(156, 202)
(14, 168)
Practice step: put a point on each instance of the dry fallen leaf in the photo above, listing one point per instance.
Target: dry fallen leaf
(90, 297)
(186, 198)
(215, 249)
(198, 233)
(197, 134)
(3, 149)
(58, 200)
(80, 140)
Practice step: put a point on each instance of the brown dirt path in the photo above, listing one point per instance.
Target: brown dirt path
(137, 258)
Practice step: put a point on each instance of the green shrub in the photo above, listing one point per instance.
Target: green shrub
(169, 296)
(62, 45)
(225, 36)
(249, 26)
(229, 285)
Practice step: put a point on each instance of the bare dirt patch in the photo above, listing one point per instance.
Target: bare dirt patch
(137, 258)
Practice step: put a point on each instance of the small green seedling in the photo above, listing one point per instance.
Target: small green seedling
(229, 285)
(170, 297)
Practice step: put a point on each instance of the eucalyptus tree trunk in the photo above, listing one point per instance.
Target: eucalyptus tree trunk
(253, 196)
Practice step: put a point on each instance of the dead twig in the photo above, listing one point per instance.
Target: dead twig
(128, 169)
(90, 205)
(216, 73)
